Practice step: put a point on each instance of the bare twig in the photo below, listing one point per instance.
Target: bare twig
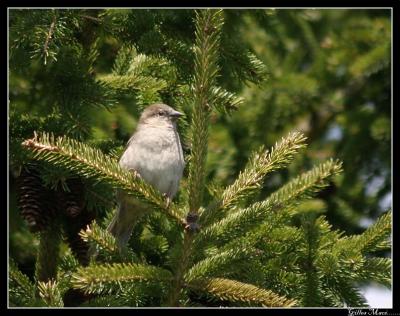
(49, 35)
(92, 18)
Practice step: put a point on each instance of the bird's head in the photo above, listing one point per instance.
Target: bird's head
(159, 115)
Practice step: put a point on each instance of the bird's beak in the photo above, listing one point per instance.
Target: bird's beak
(175, 114)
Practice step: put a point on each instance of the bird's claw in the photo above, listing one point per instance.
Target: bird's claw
(192, 227)
(135, 173)
(168, 200)
(191, 223)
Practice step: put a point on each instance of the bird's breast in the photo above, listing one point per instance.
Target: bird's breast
(157, 156)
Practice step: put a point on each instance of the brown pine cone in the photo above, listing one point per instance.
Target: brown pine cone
(34, 199)
(74, 200)
(72, 228)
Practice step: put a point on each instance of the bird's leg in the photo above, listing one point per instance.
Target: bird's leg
(191, 223)
(135, 173)
(169, 194)
(168, 199)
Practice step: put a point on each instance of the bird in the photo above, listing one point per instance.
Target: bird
(154, 153)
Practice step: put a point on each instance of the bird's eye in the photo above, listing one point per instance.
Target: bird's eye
(161, 113)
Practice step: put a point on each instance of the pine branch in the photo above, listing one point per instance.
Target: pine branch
(124, 59)
(145, 88)
(137, 82)
(371, 62)
(257, 72)
(48, 254)
(373, 239)
(241, 221)
(145, 76)
(50, 294)
(235, 291)
(48, 38)
(349, 294)
(70, 296)
(308, 183)
(91, 18)
(250, 180)
(138, 294)
(312, 237)
(208, 27)
(49, 33)
(103, 242)
(102, 238)
(88, 162)
(376, 269)
(308, 34)
(22, 291)
(68, 263)
(108, 278)
(224, 101)
(106, 301)
(217, 264)
(244, 65)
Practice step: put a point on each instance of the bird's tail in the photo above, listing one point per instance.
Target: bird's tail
(124, 220)
(120, 226)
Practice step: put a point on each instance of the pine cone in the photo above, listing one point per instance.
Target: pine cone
(77, 217)
(35, 202)
(72, 228)
(78, 247)
(74, 200)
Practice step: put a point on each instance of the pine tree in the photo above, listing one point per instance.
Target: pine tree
(213, 245)
(330, 78)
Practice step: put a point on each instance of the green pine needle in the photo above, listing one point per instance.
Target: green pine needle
(50, 294)
(250, 179)
(217, 264)
(376, 269)
(109, 277)
(241, 221)
(375, 238)
(224, 101)
(208, 27)
(22, 291)
(94, 233)
(235, 291)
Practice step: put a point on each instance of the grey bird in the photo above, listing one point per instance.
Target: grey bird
(154, 152)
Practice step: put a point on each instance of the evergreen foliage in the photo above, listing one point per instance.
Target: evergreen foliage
(329, 74)
(220, 243)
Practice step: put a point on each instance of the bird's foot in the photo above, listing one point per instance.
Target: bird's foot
(135, 173)
(191, 223)
(192, 227)
(167, 199)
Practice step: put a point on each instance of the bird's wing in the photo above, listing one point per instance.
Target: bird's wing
(128, 143)
(130, 139)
